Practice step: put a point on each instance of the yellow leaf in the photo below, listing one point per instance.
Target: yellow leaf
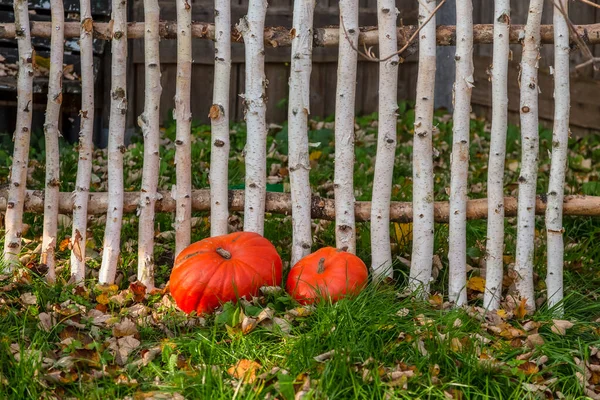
(64, 244)
(436, 300)
(502, 313)
(102, 299)
(42, 61)
(245, 369)
(508, 259)
(476, 283)
(403, 231)
(315, 155)
(521, 310)
(109, 289)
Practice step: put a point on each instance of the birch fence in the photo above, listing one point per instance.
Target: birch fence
(300, 203)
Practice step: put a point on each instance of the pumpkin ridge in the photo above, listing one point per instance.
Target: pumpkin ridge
(208, 283)
(256, 272)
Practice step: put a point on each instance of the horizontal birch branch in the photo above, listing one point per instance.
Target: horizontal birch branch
(278, 36)
(321, 208)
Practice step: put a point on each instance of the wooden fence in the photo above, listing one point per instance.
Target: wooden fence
(394, 44)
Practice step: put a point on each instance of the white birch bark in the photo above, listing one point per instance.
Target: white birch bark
(149, 122)
(463, 84)
(423, 195)
(252, 29)
(86, 135)
(116, 144)
(18, 173)
(381, 253)
(219, 119)
(560, 141)
(298, 110)
(530, 150)
(345, 229)
(183, 116)
(495, 183)
(51, 133)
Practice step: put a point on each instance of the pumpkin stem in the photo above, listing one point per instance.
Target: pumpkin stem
(321, 268)
(223, 253)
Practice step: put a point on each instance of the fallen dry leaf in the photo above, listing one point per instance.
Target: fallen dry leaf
(560, 326)
(125, 328)
(245, 369)
(122, 347)
(248, 324)
(534, 340)
(28, 299)
(325, 356)
(476, 283)
(529, 368)
(47, 321)
(521, 310)
(156, 395)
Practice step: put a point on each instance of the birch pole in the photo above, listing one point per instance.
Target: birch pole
(343, 181)
(18, 173)
(560, 141)
(381, 253)
(84, 165)
(423, 195)
(495, 184)
(149, 122)
(219, 119)
(298, 110)
(530, 150)
(183, 116)
(252, 29)
(51, 134)
(116, 144)
(457, 255)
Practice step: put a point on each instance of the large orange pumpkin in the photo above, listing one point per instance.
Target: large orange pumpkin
(328, 272)
(223, 268)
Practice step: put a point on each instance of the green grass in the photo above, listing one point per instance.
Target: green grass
(374, 335)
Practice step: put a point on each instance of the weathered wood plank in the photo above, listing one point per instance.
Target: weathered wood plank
(585, 107)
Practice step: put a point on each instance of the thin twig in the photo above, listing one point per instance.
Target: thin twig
(589, 3)
(370, 56)
(578, 41)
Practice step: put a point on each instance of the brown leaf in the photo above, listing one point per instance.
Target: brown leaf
(47, 321)
(76, 245)
(245, 369)
(248, 324)
(529, 368)
(155, 395)
(534, 340)
(139, 291)
(125, 328)
(28, 299)
(560, 326)
(521, 310)
(325, 356)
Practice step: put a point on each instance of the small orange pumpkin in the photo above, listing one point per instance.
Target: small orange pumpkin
(223, 268)
(328, 272)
